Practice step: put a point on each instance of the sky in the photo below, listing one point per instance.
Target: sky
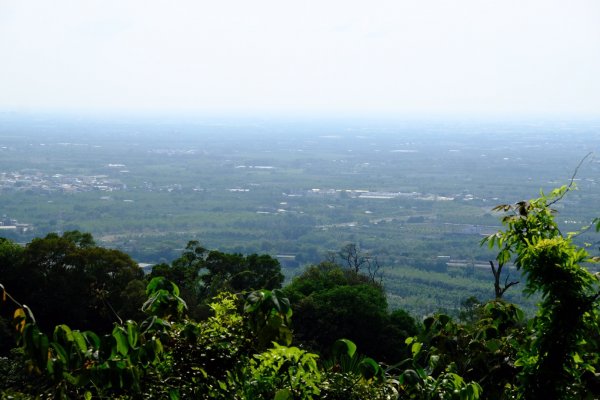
(346, 57)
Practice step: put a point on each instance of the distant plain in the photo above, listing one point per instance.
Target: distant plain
(415, 194)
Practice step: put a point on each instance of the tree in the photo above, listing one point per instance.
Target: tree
(331, 302)
(237, 273)
(558, 363)
(68, 279)
(353, 258)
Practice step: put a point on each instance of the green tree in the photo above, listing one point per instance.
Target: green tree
(331, 302)
(558, 364)
(67, 279)
(237, 273)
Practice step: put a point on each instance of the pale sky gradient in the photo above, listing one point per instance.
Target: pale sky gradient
(397, 57)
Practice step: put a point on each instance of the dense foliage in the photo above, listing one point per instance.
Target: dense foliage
(328, 334)
(332, 302)
(97, 284)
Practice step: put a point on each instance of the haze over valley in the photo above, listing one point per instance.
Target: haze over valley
(415, 194)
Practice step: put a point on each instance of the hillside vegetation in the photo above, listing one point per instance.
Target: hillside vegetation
(82, 321)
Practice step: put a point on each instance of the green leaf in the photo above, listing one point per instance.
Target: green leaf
(344, 346)
(64, 334)
(79, 341)
(160, 283)
(416, 348)
(284, 394)
(121, 339)
(60, 352)
(132, 333)
(369, 368)
(433, 362)
(174, 394)
(92, 339)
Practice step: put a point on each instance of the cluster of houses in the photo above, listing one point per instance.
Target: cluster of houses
(38, 182)
(10, 224)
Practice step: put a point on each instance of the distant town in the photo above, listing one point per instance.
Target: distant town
(39, 182)
(11, 224)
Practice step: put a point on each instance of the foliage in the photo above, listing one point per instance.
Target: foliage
(350, 375)
(479, 352)
(333, 302)
(204, 354)
(555, 363)
(322, 277)
(79, 364)
(269, 317)
(283, 373)
(201, 275)
(163, 299)
(50, 272)
(237, 273)
(185, 273)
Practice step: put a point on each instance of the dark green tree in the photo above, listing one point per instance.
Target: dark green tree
(68, 279)
(332, 302)
(237, 273)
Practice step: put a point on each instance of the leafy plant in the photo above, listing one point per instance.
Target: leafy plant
(270, 316)
(163, 299)
(81, 363)
(283, 373)
(349, 375)
(555, 362)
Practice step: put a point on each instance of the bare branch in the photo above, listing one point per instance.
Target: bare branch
(497, 272)
(572, 181)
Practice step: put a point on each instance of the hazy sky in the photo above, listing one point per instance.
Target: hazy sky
(398, 57)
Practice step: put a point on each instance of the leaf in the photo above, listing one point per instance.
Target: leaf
(283, 394)
(132, 333)
(344, 346)
(60, 352)
(369, 369)
(19, 320)
(80, 341)
(285, 335)
(416, 348)
(410, 376)
(160, 283)
(92, 339)
(255, 299)
(433, 362)
(121, 339)
(63, 333)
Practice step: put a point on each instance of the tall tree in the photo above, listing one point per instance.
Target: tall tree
(237, 273)
(68, 279)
